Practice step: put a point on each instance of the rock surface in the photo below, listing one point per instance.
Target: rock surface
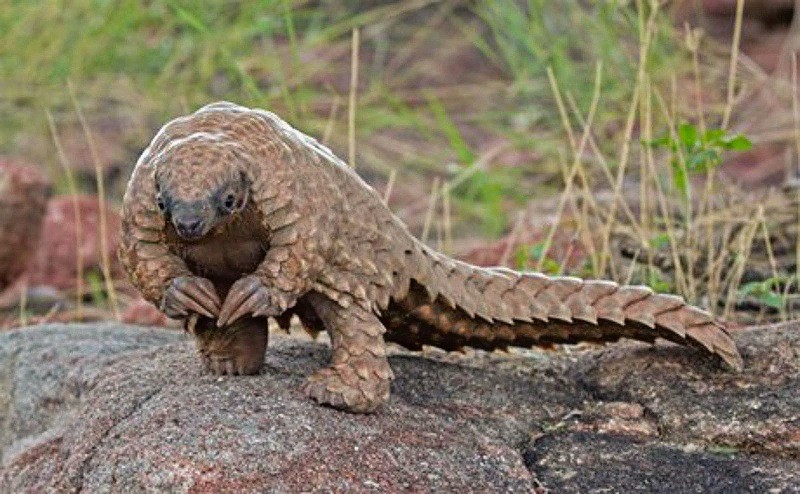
(118, 408)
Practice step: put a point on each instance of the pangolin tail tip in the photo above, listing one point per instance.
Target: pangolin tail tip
(732, 358)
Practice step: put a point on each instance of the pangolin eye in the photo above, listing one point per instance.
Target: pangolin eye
(161, 204)
(230, 200)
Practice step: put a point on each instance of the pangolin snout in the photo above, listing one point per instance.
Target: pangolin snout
(189, 227)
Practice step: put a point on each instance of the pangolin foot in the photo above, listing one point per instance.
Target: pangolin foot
(236, 350)
(342, 386)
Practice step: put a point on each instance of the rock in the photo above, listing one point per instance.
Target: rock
(140, 414)
(44, 372)
(142, 313)
(55, 264)
(23, 195)
(699, 430)
(50, 279)
(585, 462)
(765, 25)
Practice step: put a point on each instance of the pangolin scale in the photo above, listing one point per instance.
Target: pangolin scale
(232, 216)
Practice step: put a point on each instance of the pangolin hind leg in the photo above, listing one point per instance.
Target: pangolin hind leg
(237, 349)
(359, 377)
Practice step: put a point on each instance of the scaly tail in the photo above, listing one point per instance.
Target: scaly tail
(453, 304)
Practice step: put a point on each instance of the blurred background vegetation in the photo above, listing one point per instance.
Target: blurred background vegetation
(646, 141)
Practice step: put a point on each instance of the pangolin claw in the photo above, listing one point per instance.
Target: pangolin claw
(246, 296)
(190, 294)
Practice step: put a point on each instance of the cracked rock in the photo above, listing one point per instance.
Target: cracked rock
(121, 408)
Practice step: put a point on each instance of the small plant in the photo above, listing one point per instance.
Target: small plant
(529, 255)
(94, 279)
(656, 280)
(695, 151)
(766, 292)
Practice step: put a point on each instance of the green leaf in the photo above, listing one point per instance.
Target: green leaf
(679, 179)
(703, 161)
(664, 141)
(688, 135)
(771, 299)
(189, 18)
(713, 136)
(537, 251)
(521, 258)
(96, 286)
(660, 241)
(763, 292)
(551, 266)
(450, 130)
(657, 282)
(737, 143)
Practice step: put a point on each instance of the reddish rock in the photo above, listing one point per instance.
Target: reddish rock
(764, 165)
(752, 8)
(56, 261)
(142, 313)
(99, 408)
(23, 195)
(765, 25)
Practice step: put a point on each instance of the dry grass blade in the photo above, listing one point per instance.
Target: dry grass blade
(795, 163)
(737, 36)
(387, 193)
(351, 113)
(682, 276)
(605, 168)
(771, 257)
(23, 305)
(76, 211)
(101, 204)
(326, 135)
(448, 224)
(512, 239)
(431, 210)
(649, 30)
(744, 247)
(578, 154)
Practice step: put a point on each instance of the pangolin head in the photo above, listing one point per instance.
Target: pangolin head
(201, 183)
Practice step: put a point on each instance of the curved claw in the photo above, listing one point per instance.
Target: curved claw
(248, 295)
(190, 294)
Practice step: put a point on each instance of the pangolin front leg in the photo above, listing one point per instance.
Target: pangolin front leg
(237, 349)
(190, 294)
(359, 377)
(283, 276)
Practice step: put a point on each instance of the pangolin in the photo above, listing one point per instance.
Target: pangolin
(232, 216)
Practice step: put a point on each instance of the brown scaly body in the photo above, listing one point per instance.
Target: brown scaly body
(235, 216)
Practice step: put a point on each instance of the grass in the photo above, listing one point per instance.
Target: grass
(495, 103)
(165, 58)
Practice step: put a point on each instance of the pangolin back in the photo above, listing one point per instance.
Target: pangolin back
(452, 304)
